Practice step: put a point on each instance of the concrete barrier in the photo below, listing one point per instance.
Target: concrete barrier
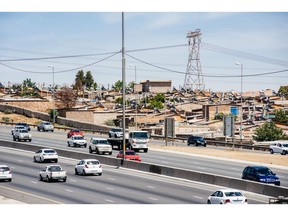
(255, 187)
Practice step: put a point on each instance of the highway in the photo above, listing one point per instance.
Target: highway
(115, 186)
(225, 167)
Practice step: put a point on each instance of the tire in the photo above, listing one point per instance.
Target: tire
(208, 202)
(188, 144)
(34, 159)
(109, 135)
(97, 151)
(56, 161)
(40, 160)
(76, 173)
(283, 152)
(65, 179)
(48, 179)
(83, 172)
(100, 174)
(10, 180)
(145, 150)
(85, 146)
(14, 139)
(110, 153)
(90, 150)
(271, 151)
(30, 140)
(40, 177)
(38, 129)
(68, 144)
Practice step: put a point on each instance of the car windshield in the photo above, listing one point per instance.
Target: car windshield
(4, 169)
(23, 131)
(265, 171)
(92, 162)
(140, 135)
(79, 138)
(117, 130)
(130, 153)
(47, 123)
(233, 193)
(199, 138)
(101, 142)
(77, 131)
(54, 168)
(49, 151)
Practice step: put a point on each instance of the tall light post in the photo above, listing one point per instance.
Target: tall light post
(53, 94)
(136, 95)
(241, 115)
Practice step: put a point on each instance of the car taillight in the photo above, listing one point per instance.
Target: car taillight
(227, 201)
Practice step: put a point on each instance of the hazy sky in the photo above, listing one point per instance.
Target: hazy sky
(155, 43)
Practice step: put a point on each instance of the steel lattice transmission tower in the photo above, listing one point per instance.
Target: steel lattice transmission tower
(194, 77)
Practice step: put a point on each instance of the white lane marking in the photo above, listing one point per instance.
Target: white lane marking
(197, 197)
(150, 186)
(73, 180)
(235, 169)
(107, 200)
(21, 161)
(112, 179)
(33, 182)
(152, 198)
(108, 188)
(69, 190)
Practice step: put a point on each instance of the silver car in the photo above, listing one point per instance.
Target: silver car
(45, 126)
(44, 155)
(5, 173)
(88, 166)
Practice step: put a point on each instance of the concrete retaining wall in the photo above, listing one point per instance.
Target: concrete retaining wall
(223, 181)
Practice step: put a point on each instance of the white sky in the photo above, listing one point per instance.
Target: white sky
(256, 39)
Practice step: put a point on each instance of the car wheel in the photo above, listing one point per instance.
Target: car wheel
(97, 151)
(271, 151)
(41, 160)
(283, 152)
(9, 180)
(76, 172)
(110, 153)
(100, 174)
(34, 159)
(85, 146)
(30, 140)
(208, 202)
(115, 136)
(109, 135)
(14, 138)
(40, 177)
(83, 172)
(56, 161)
(65, 179)
(204, 145)
(90, 150)
(38, 129)
(48, 179)
(145, 150)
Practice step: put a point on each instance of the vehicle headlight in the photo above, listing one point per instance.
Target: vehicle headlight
(262, 180)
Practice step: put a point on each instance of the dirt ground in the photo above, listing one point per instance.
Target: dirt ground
(275, 159)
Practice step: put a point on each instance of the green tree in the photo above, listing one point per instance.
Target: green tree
(80, 77)
(118, 85)
(89, 80)
(281, 116)
(283, 90)
(95, 86)
(157, 101)
(269, 132)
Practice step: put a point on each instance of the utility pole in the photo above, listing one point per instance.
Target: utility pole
(123, 87)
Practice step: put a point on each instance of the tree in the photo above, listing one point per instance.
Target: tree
(89, 81)
(157, 101)
(118, 85)
(80, 77)
(67, 98)
(269, 132)
(283, 91)
(281, 116)
(95, 86)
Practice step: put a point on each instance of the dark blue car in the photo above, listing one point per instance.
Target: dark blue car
(260, 174)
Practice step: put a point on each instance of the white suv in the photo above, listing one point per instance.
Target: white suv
(100, 146)
(45, 126)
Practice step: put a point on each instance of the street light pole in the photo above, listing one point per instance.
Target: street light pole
(241, 116)
(53, 94)
(136, 95)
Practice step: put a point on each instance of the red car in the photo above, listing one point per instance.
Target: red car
(74, 132)
(129, 155)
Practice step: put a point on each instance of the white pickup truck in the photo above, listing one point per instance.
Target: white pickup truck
(77, 141)
(53, 172)
(22, 134)
(281, 148)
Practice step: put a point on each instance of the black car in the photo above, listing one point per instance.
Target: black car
(260, 174)
(196, 140)
(25, 125)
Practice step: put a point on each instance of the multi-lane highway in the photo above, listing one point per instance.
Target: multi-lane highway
(115, 186)
(225, 167)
